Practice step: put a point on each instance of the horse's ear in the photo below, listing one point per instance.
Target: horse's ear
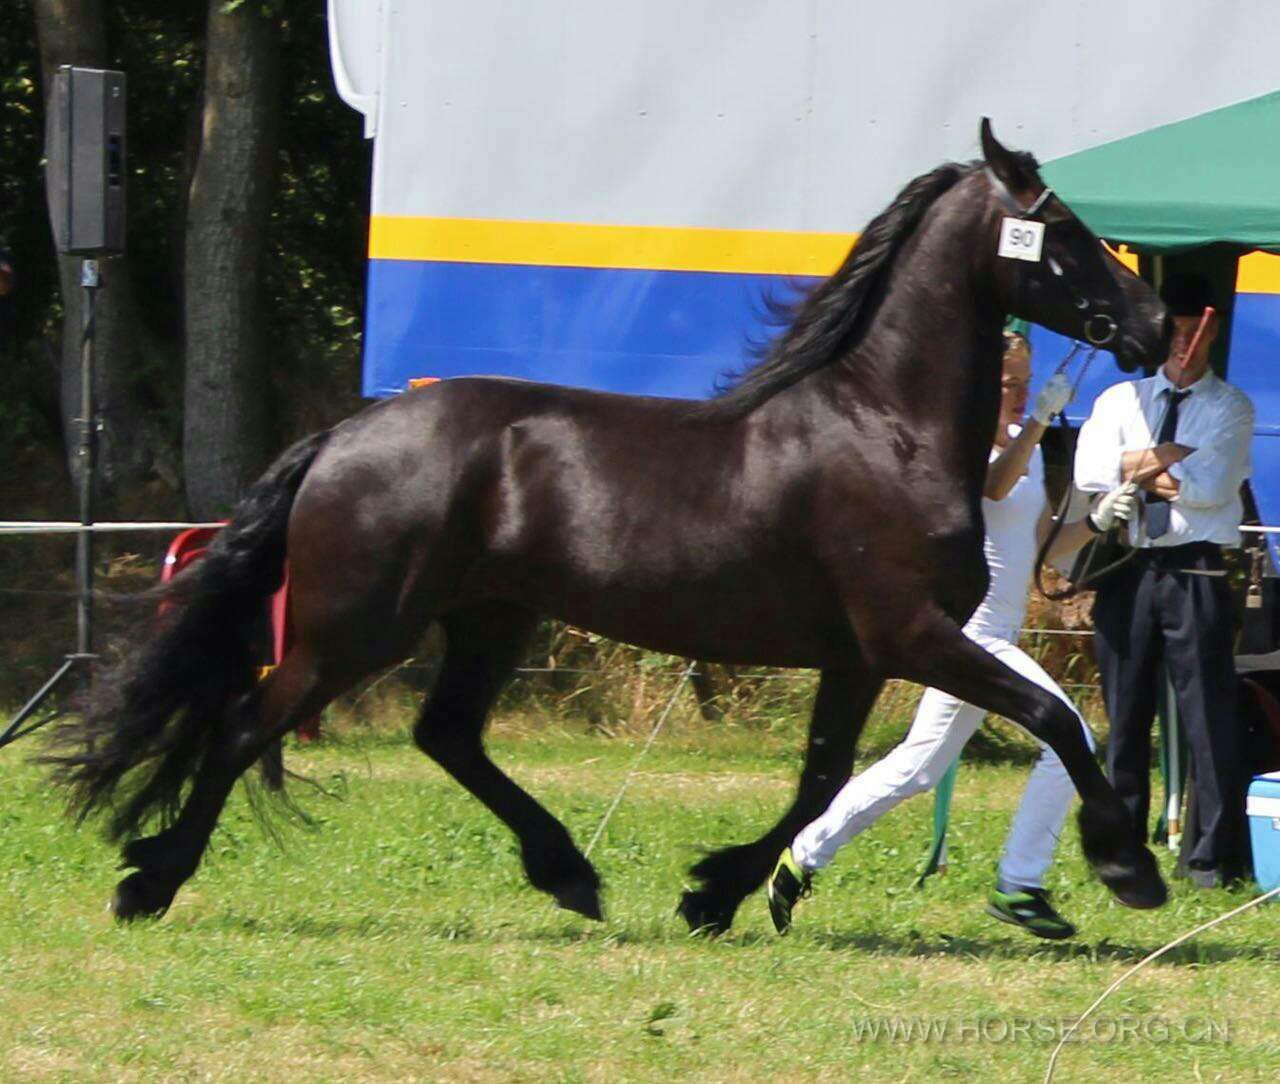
(1004, 164)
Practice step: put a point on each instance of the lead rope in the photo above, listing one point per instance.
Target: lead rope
(1059, 517)
(1053, 1060)
(635, 764)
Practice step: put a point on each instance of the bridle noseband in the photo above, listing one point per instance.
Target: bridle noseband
(1099, 328)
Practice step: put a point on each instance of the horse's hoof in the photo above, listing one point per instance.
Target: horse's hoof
(582, 897)
(568, 878)
(1139, 886)
(704, 914)
(1121, 862)
(141, 896)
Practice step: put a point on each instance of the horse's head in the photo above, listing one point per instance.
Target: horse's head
(1052, 270)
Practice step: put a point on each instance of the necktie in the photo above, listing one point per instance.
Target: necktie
(1158, 507)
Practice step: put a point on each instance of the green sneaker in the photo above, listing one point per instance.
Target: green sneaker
(1031, 910)
(788, 885)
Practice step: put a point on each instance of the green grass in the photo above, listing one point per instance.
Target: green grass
(398, 941)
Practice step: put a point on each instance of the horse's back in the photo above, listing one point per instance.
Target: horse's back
(511, 465)
(459, 435)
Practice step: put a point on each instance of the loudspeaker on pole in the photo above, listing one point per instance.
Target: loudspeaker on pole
(85, 152)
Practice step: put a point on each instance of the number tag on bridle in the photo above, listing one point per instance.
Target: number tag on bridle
(1021, 239)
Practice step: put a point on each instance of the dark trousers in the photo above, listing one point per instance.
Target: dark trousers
(1148, 612)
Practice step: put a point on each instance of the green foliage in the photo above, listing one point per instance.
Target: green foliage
(316, 247)
(319, 235)
(26, 412)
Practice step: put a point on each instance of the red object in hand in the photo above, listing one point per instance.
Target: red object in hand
(1190, 352)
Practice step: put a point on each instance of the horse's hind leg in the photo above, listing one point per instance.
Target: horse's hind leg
(162, 862)
(728, 876)
(483, 645)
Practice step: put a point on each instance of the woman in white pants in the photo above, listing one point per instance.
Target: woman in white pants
(1017, 515)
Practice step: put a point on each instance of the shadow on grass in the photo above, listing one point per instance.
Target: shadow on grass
(660, 932)
(307, 926)
(1192, 953)
(555, 928)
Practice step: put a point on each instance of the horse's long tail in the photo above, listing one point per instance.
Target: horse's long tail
(152, 716)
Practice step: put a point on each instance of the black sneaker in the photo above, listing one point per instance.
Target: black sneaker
(1030, 909)
(788, 885)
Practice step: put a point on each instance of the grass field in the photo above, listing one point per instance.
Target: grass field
(397, 941)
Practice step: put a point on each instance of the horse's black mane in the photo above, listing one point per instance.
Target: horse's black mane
(826, 322)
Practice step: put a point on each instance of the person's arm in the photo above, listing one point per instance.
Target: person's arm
(1116, 507)
(1100, 447)
(1011, 463)
(1147, 464)
(1163, 485)
(1211, 474)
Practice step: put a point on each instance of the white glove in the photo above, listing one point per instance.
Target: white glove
(1117, 506)
(1053, 397)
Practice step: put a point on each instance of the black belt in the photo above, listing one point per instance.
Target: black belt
(1172, 557)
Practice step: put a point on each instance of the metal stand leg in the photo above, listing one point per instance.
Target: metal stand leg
(1173, 758)
(83, 656)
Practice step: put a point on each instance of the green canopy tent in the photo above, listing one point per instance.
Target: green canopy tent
(1208, 180)
(1197, 194)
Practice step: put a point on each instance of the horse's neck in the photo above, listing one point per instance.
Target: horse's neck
(932, 353)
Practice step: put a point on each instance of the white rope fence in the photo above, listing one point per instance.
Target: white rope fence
(635, 764)
(63, 526)
(71, 526)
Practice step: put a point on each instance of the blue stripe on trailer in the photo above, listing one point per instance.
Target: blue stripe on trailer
(1265, 484)
(1255, 358)
(669, 333)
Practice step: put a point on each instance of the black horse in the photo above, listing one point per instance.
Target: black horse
(823, 513)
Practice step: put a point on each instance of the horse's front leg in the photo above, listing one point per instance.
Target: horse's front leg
(726, 877)
(943, 657)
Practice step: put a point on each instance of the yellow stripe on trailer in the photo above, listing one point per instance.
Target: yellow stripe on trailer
(577, 244)
(660, 248)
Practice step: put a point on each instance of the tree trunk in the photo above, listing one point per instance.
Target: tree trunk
(73, 32)
(227, 436)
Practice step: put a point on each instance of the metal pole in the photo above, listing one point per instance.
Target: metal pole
(83, 655)
(87, 452)
(1173, 742)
